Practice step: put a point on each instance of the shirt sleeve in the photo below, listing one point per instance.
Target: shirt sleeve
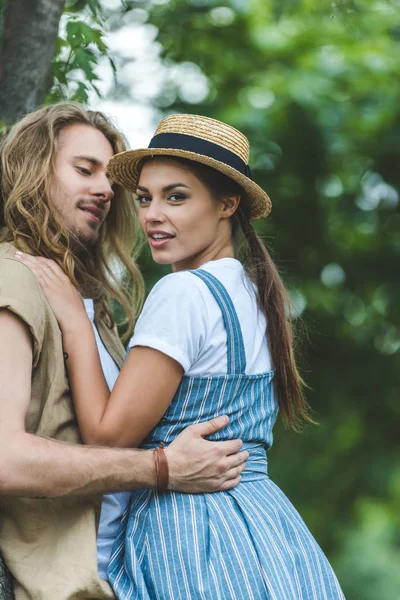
(21, 294)
(174, 319)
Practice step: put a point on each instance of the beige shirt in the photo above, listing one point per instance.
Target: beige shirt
(49, 545)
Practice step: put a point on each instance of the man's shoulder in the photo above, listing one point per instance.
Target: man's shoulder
(16, 279)
(7, 250)
(21, 294)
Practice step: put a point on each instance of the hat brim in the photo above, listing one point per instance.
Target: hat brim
(124, 169)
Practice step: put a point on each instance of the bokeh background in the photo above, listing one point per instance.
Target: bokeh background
(315, 86)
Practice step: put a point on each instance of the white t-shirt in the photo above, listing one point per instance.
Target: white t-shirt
(182, 319)
(110, 368)
(113, 505)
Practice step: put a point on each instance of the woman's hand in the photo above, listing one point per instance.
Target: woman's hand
(64, 299)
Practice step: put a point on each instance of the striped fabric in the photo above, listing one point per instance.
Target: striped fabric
(248, 543)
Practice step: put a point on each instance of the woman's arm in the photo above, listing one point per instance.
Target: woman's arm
(140, 397)
(144, 388)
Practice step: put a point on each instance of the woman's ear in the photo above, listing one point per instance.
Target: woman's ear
(228, 206)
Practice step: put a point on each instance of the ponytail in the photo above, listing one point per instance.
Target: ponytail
(275, 304)
(273, 298)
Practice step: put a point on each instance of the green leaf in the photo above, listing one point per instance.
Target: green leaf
(81, 94)
(82, 34)
(60, 72)
(85, 60)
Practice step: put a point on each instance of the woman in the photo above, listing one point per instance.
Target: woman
(200, 348)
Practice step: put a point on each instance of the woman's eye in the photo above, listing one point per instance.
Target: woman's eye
(143, 199)
(177, 197)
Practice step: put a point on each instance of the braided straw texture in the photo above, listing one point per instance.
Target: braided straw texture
(207, 129)
(124, 168)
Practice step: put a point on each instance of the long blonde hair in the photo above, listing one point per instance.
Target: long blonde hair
(108, 270)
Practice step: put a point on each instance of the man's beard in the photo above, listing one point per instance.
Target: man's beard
(84, 242)
(84, 251)
(81, 245)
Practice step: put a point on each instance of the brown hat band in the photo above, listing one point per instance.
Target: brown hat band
(180, 141)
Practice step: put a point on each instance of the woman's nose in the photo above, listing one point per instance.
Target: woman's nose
(154, 212)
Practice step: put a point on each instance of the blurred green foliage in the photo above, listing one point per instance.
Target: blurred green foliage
(315, 86)
(79, 47)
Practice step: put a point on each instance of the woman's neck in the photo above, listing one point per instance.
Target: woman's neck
(208, 255)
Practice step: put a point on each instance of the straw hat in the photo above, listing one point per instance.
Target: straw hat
(202, 140)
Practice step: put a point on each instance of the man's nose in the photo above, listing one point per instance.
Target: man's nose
(103, 189)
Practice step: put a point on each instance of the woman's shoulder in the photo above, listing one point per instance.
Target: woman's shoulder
(182, 284)
(173, 279)
(174, 319)
(176, 293)
(232, 275)
(225, 270)
(188, 288)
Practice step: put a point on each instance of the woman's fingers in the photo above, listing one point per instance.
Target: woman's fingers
(62, 296)
(45, 270)
(33, 263)
(37, 262)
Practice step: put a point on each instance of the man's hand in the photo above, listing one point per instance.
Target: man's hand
(197, 465)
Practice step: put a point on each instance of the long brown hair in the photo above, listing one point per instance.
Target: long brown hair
(31, 223)
(272, 296)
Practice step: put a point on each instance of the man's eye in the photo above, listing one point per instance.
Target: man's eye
(83, 170)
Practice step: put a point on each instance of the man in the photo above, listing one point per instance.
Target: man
(59, 203)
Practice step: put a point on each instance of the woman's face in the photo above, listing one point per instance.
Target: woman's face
(183, 222)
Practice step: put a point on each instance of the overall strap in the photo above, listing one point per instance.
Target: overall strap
(236, 352)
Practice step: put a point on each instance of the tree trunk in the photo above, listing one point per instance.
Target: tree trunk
(26, 53)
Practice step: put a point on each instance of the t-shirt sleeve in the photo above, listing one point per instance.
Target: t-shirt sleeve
(21, 294)
(174, 319)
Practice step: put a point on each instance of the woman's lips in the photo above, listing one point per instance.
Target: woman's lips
(159, 240)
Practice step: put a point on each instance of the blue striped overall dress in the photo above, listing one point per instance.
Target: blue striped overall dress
(248, 543)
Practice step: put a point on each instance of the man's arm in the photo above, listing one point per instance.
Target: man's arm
(33, 466)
